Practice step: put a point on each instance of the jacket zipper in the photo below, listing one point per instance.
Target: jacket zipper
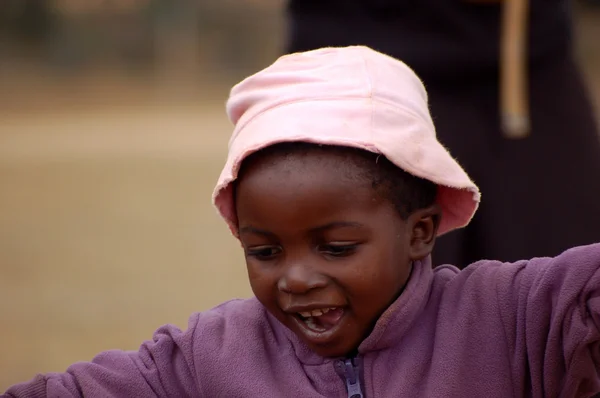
(351, 374)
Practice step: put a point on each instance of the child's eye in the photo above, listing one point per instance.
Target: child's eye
(338, 250)
(263, 253)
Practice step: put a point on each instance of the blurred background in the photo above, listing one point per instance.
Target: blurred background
(112, 134)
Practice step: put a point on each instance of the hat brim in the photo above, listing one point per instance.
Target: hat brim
(404, 139)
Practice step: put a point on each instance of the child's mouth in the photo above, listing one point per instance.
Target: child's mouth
(320, 324)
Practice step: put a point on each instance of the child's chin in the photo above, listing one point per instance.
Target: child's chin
(332, 350)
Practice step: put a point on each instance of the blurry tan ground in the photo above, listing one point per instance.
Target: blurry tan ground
(105, 235)
(106, 225)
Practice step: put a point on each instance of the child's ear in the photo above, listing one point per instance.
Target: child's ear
(424, 225)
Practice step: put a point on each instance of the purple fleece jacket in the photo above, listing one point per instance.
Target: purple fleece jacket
(528, 329)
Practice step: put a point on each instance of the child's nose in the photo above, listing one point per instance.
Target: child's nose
(300, 279)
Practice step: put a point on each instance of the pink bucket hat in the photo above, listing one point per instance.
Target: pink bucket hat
(350, 96)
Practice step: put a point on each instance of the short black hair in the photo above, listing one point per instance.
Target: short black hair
(405, 191)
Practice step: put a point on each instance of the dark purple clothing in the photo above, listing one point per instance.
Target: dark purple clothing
(540, 195)
(447, 42)
(528, 329)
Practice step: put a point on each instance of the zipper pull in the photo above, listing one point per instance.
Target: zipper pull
(352, 375)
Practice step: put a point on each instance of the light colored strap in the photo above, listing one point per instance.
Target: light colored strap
(514, 95)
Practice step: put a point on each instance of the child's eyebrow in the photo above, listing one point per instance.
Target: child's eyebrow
(337, 224)
(256, 231)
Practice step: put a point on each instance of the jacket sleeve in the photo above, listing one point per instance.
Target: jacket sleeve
(551, 310)
(162, 367)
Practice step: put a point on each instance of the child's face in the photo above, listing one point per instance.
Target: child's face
(317, 241)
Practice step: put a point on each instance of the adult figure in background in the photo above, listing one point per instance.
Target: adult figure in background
(540, 191)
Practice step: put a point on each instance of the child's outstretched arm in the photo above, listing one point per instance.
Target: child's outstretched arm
(554, 334)
(161, 367)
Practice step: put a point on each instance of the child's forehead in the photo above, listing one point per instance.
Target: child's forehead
(319, 184)
(301, 158)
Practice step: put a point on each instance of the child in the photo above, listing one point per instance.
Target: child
(337, 188)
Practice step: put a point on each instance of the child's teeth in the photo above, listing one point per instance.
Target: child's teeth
(308, 314)
(310, 322)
